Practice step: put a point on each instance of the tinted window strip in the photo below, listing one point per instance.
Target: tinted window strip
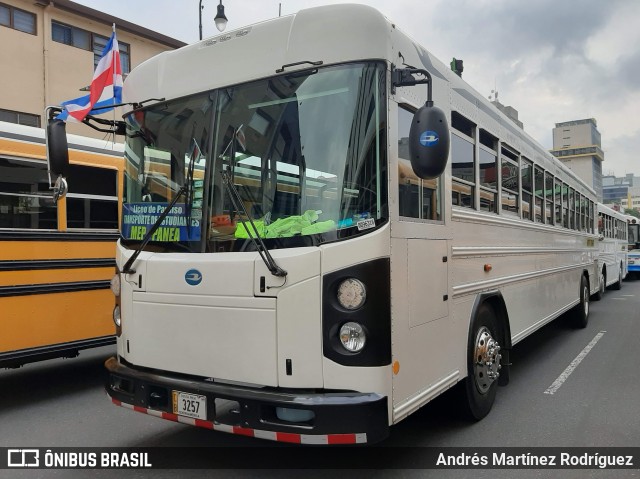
(22, 265)
(12, 235)
(50, 288)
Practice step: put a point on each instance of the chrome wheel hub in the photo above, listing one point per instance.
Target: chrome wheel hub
(486, 360)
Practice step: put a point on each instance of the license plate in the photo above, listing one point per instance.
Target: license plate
(190, 405)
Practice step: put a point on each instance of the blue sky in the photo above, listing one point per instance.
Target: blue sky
(551, 60)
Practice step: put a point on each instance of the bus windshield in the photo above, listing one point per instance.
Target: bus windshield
(634, 237)
(305, 152)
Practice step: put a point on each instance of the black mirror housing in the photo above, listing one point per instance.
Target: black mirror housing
(57, 148)
(429, 142)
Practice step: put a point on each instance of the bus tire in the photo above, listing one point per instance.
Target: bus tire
(483, 363)
(618, 284)
(581, 310)
(601, 286)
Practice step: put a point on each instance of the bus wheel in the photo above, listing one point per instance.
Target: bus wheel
(483, 363)
(618, 284)
(581, 311)
(601, 289)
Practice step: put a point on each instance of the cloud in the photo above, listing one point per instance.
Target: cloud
(551, 60)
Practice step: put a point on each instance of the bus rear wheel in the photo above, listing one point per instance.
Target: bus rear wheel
(483, 363)
(601, 286)
(581, 310)
(618, 284)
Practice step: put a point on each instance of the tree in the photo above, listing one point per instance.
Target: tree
(632, 212)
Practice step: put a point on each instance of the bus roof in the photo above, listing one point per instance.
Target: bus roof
(611, 212)
(76, 142)
(332, 34)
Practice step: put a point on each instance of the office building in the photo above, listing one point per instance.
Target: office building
(578, 145)
(49, 51)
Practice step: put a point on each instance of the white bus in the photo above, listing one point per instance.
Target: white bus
(612, 257)
(633, 253)
(339, 265)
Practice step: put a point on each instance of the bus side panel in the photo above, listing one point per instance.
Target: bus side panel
(37, 320)
(423, 339)
(524, 264)
(49, 250)
(55, 276)
(55, 291)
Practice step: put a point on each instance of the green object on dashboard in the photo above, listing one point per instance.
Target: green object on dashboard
(286, 227)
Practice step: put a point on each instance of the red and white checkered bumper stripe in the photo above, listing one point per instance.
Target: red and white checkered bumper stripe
(357, 438)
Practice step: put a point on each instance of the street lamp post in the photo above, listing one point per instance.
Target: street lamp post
(220, 19)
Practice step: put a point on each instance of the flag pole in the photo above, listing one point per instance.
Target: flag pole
(113, 142)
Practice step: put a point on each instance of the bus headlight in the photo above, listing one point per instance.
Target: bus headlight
(115, 285)
(352, 337)
(352, 294)
(116, 316)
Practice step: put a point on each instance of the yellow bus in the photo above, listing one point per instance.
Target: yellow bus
(56, 259)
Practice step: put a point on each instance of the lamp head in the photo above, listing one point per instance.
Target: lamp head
(220, 19)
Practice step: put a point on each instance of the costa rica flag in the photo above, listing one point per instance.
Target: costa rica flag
(106, 87)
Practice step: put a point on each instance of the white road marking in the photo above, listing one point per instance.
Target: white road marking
(574, 364)
(629, 295)
(621, 299)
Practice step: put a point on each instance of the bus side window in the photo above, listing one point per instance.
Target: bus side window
(92, 202)
(25, 200)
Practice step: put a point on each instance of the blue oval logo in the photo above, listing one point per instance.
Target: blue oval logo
(429, 138)
(193, 277)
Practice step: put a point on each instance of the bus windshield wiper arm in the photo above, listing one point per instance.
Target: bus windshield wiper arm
(250, 228)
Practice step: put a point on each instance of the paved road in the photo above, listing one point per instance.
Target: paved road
(61, 403)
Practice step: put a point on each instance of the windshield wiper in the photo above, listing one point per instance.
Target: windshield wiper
(184, 190)
(238, 205)
(196, 153)
(252, 231)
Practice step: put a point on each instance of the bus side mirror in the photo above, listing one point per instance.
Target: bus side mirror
(429, 142)
(57, 148)
(57, 157)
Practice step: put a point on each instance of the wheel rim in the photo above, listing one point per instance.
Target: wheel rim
(486, 360)
(585, 299)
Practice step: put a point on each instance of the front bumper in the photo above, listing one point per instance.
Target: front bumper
(338, 417)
